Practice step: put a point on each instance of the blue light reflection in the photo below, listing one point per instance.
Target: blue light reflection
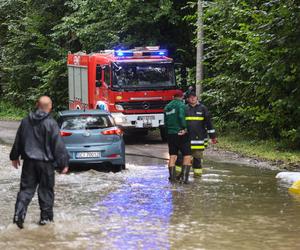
(137, 216)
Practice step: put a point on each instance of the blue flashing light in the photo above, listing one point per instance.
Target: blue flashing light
(123, 53)
(120, 53)
(159, 53)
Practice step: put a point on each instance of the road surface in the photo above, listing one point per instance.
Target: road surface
(232, 206)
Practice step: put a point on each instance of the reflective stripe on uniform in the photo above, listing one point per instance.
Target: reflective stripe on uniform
(198, 147)
(211, 131)
(197, 142)
(194, 118)
(198, 170)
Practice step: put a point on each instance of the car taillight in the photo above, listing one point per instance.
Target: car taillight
(115, 131)
(113, 156)
(65, 133)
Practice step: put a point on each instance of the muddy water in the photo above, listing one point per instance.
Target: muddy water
(231, 207)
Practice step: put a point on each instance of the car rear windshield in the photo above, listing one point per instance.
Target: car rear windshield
(86, 122)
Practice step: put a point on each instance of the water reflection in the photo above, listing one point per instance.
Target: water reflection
(137, 216)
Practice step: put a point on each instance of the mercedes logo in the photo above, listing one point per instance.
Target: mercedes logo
(146, 105)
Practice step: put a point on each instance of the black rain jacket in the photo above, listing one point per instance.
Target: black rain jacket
(38, 138)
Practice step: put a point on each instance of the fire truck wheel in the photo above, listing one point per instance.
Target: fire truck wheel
(163, 134)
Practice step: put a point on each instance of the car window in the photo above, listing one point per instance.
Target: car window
(86, 122)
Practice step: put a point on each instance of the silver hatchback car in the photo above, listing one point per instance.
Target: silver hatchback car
(91, 137)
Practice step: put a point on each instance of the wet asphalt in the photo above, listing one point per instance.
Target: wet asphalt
(232, 206)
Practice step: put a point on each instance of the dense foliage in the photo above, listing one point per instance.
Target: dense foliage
(251, 49)
(253, 68)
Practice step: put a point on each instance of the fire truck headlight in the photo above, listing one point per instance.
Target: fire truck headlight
(118, 120)
(119, 107)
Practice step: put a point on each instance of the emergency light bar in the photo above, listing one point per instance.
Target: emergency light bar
(141, 53)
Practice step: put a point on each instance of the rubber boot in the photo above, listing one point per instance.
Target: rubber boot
(178, 164)
(186, 174)
(172, 174)
(178, 173)
(197, 167)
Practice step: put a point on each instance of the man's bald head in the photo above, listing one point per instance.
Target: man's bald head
(44, 103)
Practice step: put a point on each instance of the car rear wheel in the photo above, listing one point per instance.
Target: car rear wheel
(117, 168)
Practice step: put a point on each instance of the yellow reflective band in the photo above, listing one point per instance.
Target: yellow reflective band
(198, 170)
(178, 168)
(197, 147)
(194, 118)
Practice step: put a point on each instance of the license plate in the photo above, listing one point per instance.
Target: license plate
(146, 118)
(83, 155)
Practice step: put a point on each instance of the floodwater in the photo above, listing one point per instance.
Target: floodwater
(230, 207)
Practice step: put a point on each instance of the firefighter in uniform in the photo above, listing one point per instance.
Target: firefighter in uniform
(178, 139)
(200, 129)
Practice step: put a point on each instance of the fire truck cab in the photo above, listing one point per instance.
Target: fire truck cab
(134, 85)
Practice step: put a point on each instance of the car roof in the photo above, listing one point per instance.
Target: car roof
(80, 112)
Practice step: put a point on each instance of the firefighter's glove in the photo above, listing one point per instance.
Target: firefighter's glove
(214, 141)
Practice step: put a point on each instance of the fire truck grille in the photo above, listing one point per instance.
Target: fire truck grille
(143, 105)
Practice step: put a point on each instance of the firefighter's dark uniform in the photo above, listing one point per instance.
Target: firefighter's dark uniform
(39, 144)
(200, 129)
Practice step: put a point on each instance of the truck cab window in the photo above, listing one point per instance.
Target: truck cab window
(144, 75)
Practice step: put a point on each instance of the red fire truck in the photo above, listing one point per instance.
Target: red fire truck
(134, 85)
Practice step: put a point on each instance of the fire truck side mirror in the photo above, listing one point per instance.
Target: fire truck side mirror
(98, 84)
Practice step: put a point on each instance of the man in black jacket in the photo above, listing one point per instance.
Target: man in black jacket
(39, 144)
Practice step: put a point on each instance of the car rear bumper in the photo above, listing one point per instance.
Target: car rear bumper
(112, 154)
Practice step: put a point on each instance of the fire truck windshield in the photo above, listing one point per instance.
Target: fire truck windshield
(143, 76)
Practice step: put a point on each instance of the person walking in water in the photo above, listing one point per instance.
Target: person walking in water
(200, 129)
(177, 137)
(40, 145)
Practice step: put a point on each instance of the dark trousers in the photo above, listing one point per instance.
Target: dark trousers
(36, 174)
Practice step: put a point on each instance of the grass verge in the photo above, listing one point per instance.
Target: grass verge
(265, 150)
(9, 111)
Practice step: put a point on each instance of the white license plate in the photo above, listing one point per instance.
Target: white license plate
(83, 155)
(146, 118)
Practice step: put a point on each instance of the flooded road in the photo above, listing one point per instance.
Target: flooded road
(231, 207)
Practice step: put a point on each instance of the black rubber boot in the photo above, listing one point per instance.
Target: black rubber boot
(172, 174)
(186, 174)
(179, 175)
